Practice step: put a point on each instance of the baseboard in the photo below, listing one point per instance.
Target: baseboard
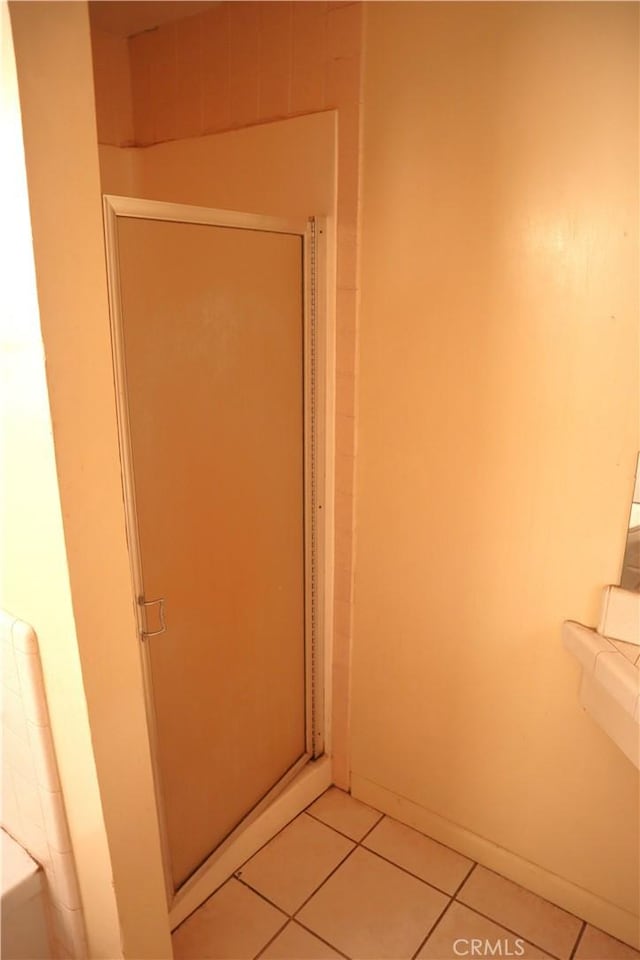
(589, 906)
(313, 780)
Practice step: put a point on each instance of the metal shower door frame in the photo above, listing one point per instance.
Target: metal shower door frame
(312, 234)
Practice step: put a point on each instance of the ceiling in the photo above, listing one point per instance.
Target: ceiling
(126, 17)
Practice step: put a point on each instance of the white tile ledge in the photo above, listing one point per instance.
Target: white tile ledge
(610, 689)
(620, 615)
(609, 666)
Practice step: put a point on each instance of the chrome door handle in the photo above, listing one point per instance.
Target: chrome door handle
(143, 604)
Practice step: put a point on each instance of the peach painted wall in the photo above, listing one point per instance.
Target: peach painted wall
(242, 64)
(34, 583)
(118, 167)
(79, 603)
(498, 431)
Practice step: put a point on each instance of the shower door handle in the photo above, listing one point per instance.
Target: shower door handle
(143, 604)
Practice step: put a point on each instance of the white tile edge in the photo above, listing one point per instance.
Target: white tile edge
(620, 615)
(616, 674)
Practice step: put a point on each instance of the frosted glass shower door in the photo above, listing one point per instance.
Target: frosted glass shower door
(212, 351)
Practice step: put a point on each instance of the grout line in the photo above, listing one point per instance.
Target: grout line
(415, 876)
(276, 934)
(358, 844)
(195, 909)
(451, 900)
(293, 917)
(513, 883)
(459, 888)
(263, 897)
(431, 929)
(578, 939)
(236, 873)
(328, 877)
(510, 930)
(392, 863)
(317, 935)
(371, 829)
(309, 805)
(439, 843)
(342, 834)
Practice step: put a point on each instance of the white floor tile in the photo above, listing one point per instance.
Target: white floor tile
(296, 943)
(427, 859)
(461, 930)
(233, 924)
(295, 862)
(513, 907)
(596, 945)
(371, 909)
(349, 816)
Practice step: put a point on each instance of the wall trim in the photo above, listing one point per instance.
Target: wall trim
(569, 896)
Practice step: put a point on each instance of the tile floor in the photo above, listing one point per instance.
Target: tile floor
(343, 880)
